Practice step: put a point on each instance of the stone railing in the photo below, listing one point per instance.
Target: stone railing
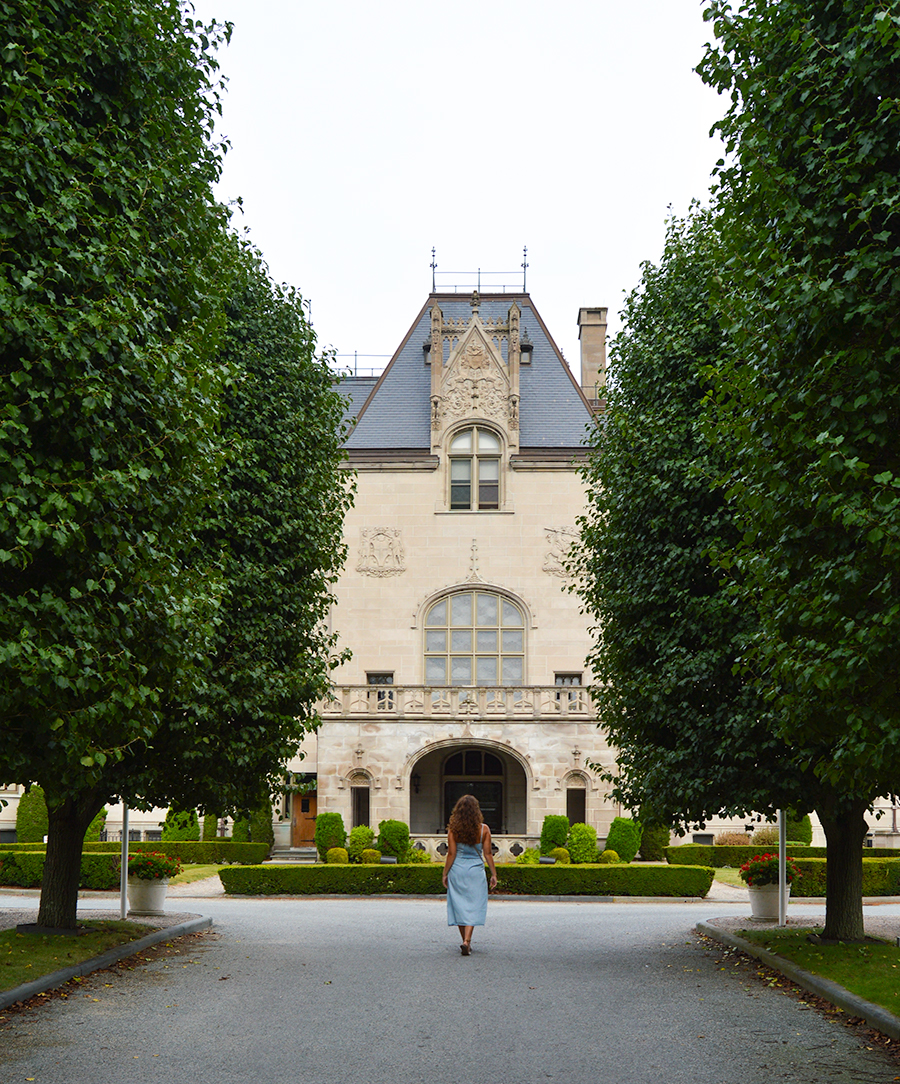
(506, 848)
(523, 702)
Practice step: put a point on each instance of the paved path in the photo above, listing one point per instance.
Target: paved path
(375, 992)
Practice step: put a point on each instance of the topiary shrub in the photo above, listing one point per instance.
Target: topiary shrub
(32, 821)
(261, 830)
(766, 836)
(624, 838)
(393, 838)
(361, 839)
(529, 857)
(799, 828)
(210, 826)
(582, 843)
(554, 832)
(654, 842)
(561, 855)
(337, 856)
(181, 825)
(92, 835)
(240, 830)
(330, 832)
(608, 858)
(370, 857)
(731, 838)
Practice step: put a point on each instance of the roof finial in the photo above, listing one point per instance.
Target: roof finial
(433, 268)
(524, 268)
(475, 302)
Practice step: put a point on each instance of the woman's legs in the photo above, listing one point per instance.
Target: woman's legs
(465, 932)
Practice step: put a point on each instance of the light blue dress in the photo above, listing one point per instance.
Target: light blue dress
(467, 891)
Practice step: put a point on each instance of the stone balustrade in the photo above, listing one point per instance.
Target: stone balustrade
(522, 703)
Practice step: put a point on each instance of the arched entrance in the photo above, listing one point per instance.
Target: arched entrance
(493, 775)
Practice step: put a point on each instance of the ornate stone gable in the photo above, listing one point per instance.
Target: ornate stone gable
(476, 381)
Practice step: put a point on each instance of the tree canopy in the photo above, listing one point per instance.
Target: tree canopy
(763, 432)
(810, 221)
(271, 537)
(693, 733)
(149, 468)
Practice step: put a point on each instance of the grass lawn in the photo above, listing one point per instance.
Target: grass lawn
(195, 873)
(729, 876)
(871, 970)
(24, 957)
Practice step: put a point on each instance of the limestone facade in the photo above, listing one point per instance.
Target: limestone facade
(468, 647)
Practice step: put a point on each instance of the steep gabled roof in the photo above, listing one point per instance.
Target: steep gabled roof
(553, 411)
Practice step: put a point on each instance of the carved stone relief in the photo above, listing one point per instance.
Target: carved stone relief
(381, 552)
(560, 540)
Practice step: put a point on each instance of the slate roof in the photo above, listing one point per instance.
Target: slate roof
(354, 390)
(553, 413)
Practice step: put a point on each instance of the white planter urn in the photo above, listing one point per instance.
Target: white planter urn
(147, 897)
(764, 902)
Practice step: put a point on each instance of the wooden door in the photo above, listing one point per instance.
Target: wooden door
(303, 820)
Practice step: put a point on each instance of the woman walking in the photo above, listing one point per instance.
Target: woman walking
(468, 848)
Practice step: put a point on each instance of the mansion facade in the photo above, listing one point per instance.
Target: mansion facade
(468, 647)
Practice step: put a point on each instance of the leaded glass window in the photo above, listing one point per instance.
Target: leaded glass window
(475, 638)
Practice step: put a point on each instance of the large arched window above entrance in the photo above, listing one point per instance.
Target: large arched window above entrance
(474, 638)
(475, 470)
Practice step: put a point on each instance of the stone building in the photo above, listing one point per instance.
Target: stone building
(467, 647)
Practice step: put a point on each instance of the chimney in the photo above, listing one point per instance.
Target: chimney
(592, 335)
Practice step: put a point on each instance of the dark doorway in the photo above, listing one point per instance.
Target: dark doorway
(489, 795)
(360, 806)
(575, 805)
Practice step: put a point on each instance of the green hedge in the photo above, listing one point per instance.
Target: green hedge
(880, 877)
(689, 854)
(298, 880)
(25, 869)
(361, 880)
(207, 852)
(600, 880)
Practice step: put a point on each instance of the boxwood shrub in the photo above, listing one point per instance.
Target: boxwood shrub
(559, 880)
(624, 838)
(554, 832)
(330, 832)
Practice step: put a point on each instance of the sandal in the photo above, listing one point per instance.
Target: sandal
(465, 948)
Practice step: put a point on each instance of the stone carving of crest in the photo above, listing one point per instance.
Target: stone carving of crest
(381, 552)
(560, 540)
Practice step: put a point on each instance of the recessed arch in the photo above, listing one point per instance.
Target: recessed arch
(504, 792)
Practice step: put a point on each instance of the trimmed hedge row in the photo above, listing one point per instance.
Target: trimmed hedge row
(355, 880)
(690, 854)
(25, 869)
(880, 877)
(206, 852)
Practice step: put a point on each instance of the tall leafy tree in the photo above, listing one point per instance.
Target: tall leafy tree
(111, 267)
(693, 733)
(272, 536)
(810, 222)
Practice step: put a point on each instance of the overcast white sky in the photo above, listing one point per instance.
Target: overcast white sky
(362, 134)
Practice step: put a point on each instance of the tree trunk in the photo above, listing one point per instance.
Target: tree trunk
(62, 867)
(845, 829)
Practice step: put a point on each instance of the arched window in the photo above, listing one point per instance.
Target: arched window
(475, 470)
(474, 638)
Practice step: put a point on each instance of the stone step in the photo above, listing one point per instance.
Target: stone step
(285, 855)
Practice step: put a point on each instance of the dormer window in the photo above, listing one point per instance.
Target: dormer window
(475, 470)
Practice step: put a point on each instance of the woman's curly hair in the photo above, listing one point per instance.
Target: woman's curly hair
(466, 820)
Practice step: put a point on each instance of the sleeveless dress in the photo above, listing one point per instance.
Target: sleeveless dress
(467, 892)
